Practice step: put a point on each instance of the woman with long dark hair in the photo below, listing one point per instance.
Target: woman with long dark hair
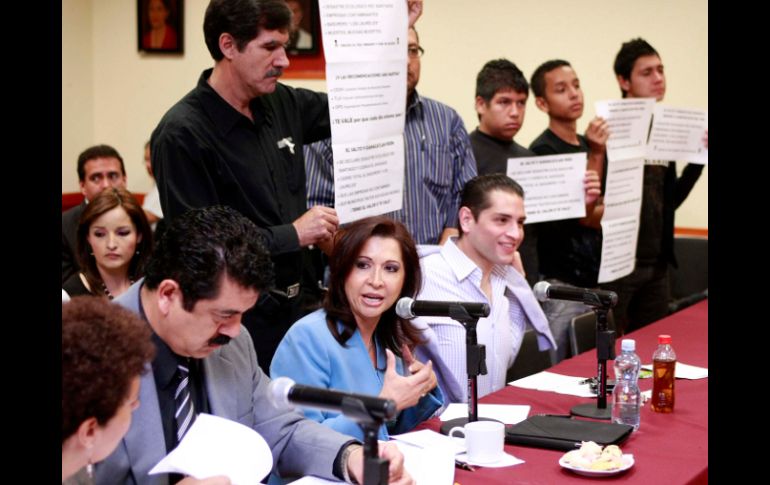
(356, 342)
(114, 241)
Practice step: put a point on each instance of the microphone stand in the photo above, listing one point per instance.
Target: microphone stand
(375, 468)
(476, 362)
(605, 350)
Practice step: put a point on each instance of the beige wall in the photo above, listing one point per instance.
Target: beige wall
(77, 87)
(113, 94)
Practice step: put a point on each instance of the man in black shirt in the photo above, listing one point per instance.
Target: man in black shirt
(569, 250)
(99, 167)
(643, 295)
(236, 139)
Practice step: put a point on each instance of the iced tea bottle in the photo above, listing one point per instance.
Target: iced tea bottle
(663, 364)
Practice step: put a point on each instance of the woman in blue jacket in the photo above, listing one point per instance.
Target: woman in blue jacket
(356, 342)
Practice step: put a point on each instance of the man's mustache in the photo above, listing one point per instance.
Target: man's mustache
(275, 72)
(220, 340)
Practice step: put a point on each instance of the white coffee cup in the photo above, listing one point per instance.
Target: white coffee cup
(484, 440)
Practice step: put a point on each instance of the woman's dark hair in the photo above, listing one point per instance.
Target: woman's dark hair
(392, 330)
(107, 200)
(103, 348)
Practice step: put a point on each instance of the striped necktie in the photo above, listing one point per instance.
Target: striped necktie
(185, 411)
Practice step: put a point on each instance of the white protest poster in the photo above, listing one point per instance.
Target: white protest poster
(629, 124)
(677, 134)
(618, 248)
(623, 189)
(620, 222)
(366, 100)
(553, 185)
(366, 181)
(365, 48)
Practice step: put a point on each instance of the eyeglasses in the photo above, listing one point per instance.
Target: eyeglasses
(415, 52)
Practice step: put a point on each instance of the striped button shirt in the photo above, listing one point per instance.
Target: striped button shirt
(450, 275)
(439, 161)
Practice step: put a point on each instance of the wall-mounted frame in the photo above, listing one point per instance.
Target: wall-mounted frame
(305, 49)
(303, 34)
(159, 26)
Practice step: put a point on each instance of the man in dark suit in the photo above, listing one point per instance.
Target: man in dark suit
(99, 167)
(207, 269)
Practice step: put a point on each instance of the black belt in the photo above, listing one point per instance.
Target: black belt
(288, 293)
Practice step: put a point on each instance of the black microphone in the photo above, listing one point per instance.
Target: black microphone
(544, 290)
(408, 308)
(283, 392)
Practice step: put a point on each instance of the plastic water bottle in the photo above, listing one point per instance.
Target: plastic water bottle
(663, 367)
(626, 398)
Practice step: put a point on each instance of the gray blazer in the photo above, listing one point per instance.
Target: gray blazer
(237, 390)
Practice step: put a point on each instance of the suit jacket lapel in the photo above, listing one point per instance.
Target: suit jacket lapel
(145, 443)
(220, 384)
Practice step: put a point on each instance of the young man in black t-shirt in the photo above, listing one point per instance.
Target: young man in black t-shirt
(643, 295)
(569, 250)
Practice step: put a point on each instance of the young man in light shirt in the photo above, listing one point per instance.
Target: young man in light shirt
(476, 267)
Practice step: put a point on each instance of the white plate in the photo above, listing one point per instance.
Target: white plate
(628, 462)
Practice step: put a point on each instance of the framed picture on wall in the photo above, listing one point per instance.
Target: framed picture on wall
(304, 31)
(160, 26)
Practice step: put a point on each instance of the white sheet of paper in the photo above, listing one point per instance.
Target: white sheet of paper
(367, 100)
(507, 413)
(551, 382)
(505, 460)
(432, 466)
(685, 371)
(553, 185)
(366, 57)
(368, 178)
(356, 31)
(629, 124)
(217, 446)
(623, 192)
(619, 238)
(426, 438)
(677, 134)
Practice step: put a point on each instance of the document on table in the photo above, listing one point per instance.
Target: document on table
(549, 381)
(432, 464)
(553, 185)
(507, 413)
(685, 371)
(365, 45)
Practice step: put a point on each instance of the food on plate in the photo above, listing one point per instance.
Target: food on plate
(590, 456)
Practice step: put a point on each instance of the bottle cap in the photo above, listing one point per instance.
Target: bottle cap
(628, 345)
(664, 339)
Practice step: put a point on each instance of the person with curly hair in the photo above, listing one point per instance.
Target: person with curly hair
(104, 350)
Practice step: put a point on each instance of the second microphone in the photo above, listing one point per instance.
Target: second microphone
(408, 308)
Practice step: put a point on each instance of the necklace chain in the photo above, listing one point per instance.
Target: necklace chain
(107, 291)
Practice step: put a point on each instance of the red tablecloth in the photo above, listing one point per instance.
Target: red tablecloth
(667, 448)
